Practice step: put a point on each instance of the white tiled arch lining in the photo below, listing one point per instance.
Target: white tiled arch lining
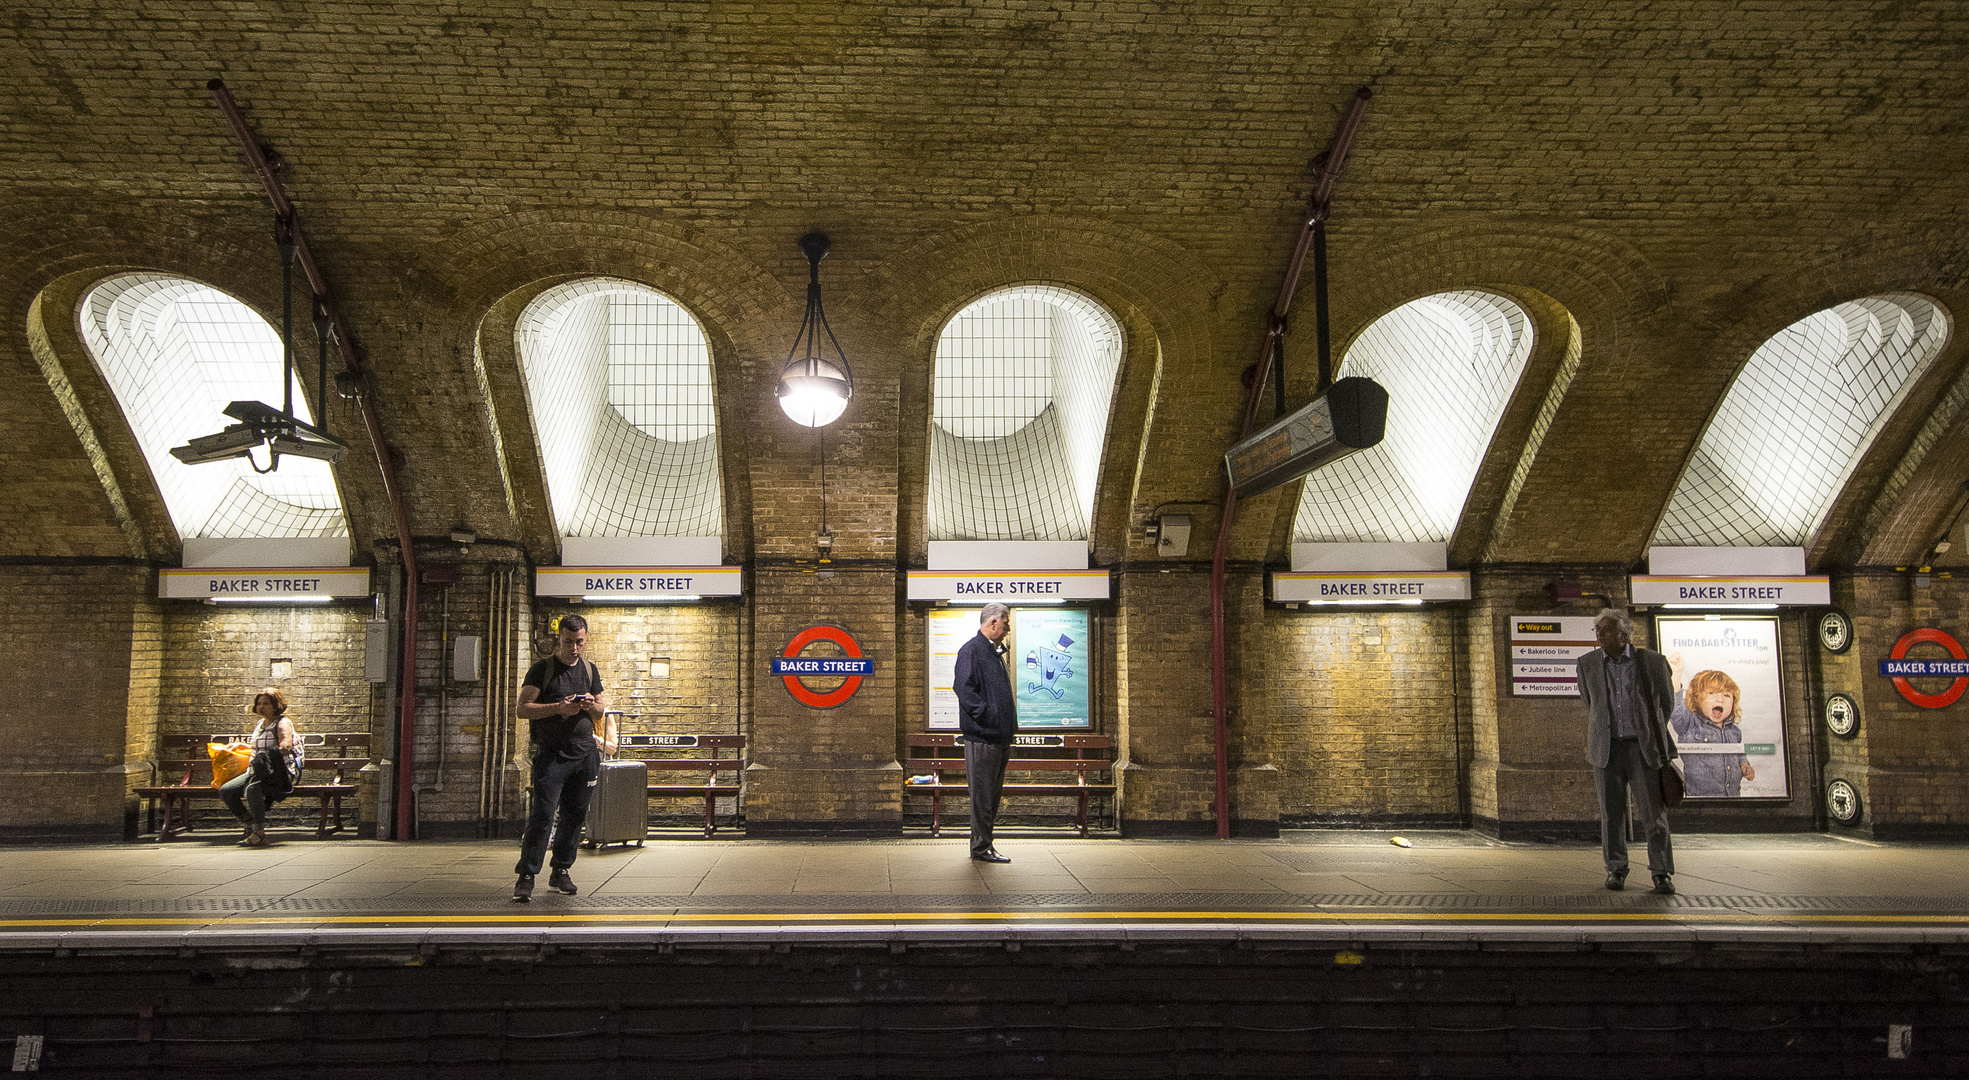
(175, 352)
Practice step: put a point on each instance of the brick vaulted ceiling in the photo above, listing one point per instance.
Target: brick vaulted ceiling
(1681, 179)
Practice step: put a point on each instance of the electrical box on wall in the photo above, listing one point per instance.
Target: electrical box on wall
(1172, 538)
(467, 657)
(376, 650)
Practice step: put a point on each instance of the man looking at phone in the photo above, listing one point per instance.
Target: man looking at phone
(562, 698)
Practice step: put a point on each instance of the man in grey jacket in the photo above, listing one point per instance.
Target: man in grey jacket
(989, 719)
(1628, 694)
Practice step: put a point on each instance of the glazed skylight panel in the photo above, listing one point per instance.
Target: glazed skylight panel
(1797, 421)
(1023, 384)
(619, 378)
(175, 353)
(1450, 364)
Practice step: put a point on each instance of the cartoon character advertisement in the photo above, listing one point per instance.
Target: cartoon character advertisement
(1050, 667)
(1728, 720)
(1047, 654)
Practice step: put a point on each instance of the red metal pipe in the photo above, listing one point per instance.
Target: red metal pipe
(392, 483)
(1328, 166)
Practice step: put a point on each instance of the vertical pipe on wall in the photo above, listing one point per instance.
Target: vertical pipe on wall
(1327, 169)
(353, 361)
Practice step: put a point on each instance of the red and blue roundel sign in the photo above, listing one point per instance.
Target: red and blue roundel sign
(794, 668)
(1901, 668)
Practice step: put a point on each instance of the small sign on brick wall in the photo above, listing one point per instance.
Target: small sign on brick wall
(1545, 652)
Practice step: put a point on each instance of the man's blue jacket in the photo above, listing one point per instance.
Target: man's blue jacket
(985, 709)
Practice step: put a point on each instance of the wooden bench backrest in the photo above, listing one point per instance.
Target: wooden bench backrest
(945, 753)
(184, 758)
(703, 753)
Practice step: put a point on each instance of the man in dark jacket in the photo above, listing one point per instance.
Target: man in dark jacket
(989, 718)
(1628, 693)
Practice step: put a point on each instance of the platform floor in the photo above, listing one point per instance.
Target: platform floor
(1338, 885)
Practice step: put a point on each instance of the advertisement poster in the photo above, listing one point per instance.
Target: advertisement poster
(950, 628)
(1728, 721)
(1050, 664)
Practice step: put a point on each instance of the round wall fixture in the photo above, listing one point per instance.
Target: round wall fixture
(1842, 801)
(1842, 715)
(1835, 631)
(794, 667)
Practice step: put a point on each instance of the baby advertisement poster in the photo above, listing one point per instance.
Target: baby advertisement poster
(1728, 717)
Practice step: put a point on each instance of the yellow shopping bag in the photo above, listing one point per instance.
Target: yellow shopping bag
(228, 760)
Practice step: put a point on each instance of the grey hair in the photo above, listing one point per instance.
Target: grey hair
(1620, 617)
(993, 611)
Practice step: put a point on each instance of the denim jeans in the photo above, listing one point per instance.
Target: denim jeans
(246, 799)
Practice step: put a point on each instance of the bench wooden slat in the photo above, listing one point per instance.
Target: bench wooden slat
(336, 753)
(944, 758)
(710, 790)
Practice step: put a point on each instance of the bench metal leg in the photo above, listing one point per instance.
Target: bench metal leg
(710, 814)
(1083, 814)
(172, 812)
(936, 812)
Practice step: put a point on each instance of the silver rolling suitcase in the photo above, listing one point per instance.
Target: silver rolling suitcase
(618, 812)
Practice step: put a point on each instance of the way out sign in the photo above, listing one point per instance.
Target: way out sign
(815, 674)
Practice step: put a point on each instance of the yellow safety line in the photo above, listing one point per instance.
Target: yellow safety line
(972, 916)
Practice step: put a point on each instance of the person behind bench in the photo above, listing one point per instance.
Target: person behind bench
(562, 697)
(989, 719)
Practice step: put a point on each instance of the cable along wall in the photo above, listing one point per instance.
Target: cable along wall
(1450, 363)
(1797, 420)
(175, 353)
(1023, 385)
(619, 381)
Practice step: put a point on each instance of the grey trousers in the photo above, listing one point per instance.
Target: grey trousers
(984, 774)
(1626, 769)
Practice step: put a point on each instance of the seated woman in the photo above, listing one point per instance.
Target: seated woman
(246, 795)
(1709, 712)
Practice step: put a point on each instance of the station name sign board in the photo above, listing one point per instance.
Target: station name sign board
(1385, 587)
(264, 583)
(1008, 586)
(1812, 591)
(638, 582)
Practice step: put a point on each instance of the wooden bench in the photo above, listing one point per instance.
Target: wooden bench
(939, 756)
(338, 755)
(646, 749)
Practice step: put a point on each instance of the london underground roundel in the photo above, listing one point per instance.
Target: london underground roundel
(795, 668)
(1930, 636)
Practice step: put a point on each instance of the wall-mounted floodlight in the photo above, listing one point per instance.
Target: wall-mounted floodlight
(261, 424)
(1350, 417)
(279, 429)
(813, 388)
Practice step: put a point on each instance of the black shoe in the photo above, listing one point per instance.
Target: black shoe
(523, 889)
(988, 855)
(1616, 880)
(1664, 884)
(560, 882)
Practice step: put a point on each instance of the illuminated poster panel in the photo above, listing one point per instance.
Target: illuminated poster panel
(1051, 666)
(950, 628)
(1728, 721)
(1049, 659)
